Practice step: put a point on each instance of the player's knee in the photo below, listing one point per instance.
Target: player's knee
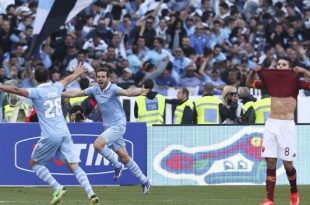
(288, 166)
(32, 163)
(271, 163)
(99, 144)
(124, 158)
(72, 166)
(98, 147)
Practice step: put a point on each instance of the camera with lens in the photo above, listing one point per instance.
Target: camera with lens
(79, 117)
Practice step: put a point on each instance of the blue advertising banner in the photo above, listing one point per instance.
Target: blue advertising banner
(17, 141)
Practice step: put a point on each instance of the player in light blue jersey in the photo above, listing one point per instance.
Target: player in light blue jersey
(55, 136)
(114, 121)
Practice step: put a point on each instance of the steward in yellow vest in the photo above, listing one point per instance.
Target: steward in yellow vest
(16, 113)
(150, 108)
(77, 100)
(183, 113)
(206, 108)
(262, 109)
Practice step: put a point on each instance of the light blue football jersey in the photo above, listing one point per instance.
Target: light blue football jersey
(47, 102)
(109, 104)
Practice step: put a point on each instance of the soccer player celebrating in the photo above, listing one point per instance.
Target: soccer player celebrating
(279, 139)
(55, 136)
(107, 97)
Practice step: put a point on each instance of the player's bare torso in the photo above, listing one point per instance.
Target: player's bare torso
(282, 108)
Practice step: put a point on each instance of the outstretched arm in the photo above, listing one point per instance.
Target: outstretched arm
(80, 69)
(131, 92)
(14, 90)
(73, 93)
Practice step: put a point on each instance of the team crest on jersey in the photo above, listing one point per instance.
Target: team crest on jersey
(236, 160)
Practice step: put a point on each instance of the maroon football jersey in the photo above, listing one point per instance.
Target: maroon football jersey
(280, 83)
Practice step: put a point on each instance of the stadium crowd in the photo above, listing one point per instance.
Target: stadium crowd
(201, 45)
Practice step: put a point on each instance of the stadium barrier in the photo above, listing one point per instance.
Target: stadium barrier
(18, 139)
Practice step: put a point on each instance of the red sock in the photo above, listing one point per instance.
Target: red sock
(291, 176)
(270, 183)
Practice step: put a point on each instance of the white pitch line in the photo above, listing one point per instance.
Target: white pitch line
(18, 202)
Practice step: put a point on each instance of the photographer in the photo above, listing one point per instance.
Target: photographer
(77, 114)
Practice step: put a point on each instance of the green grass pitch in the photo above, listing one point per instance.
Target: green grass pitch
(132, 195)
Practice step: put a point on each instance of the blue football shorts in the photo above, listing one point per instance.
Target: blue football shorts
(49, 148)
(114, 136)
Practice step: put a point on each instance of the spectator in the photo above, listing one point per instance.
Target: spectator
(190, 78)
(126, 80)
(215, 79)
(158, 54)
(5, 33)
(117, 43)
(95, 44)
(133, 59)
(81, 58)
(61, 48)
(199, 40)
(142, 49)
(175, 33)
(188, 50)
(180, 64)
(230, 109)
(165, 80)
(146, 30)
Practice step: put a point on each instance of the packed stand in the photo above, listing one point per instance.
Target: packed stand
(191, 44)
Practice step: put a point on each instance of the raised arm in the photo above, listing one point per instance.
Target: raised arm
(250, 82)
(14, 90)
(73, 93)
(80, 69)
(302, 70)
(131, 92)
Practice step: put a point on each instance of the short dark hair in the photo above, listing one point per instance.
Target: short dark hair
(84, 83)
(185, 91)
(104, 68)
(41, 75)
(76, 108)
(286, 59)
(148, 84)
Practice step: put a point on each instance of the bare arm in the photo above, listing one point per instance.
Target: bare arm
(80, 69)
(161, 67)
(73, 93)
(301, 70)
(131, 92)
(250, 79)
(251, 76)
(14, 90)
(202, 70)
